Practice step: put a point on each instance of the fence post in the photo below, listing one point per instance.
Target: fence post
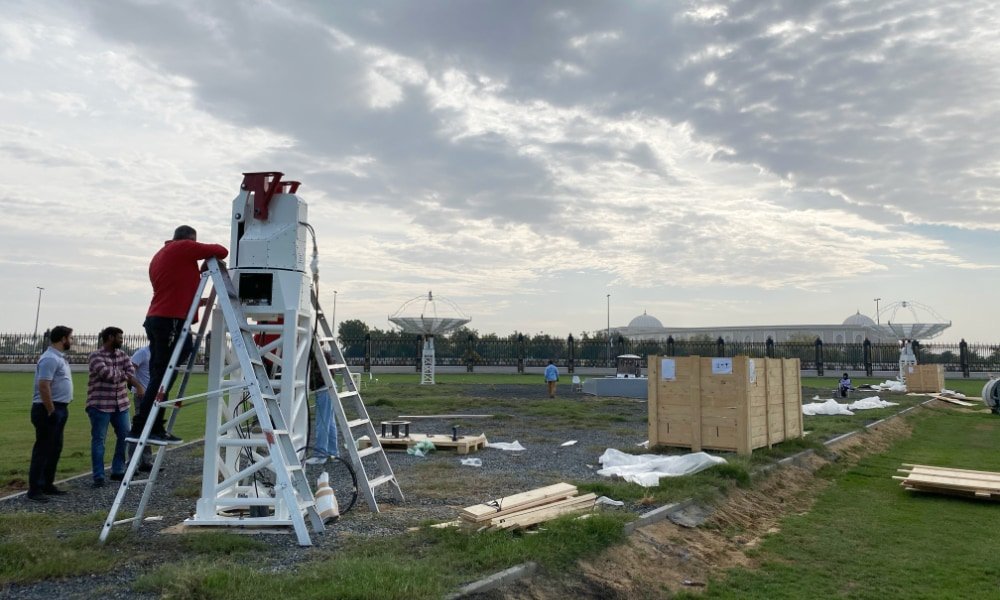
(916, 350)
(571, 351)
(420, 354)
(670, 345)
(769, 347)
(368, 353)
(867, 357)
(520, 353)
(720, 347)
(819, 357)
(470, 353)
(963, 357)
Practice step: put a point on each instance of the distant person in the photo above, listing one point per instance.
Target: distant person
(140, 361)
(845, 385)
(49, 413)
(326, 444)
(175, 276)
(551, 377)
(111, 371)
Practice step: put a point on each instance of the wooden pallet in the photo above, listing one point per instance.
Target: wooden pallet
(944, 480)
(464, 445)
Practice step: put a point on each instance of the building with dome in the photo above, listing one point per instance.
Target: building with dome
(853, 329)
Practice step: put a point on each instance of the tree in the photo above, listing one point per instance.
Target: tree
(351, 334)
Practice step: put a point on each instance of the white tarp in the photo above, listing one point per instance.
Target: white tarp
(870, 402)
(647, 469)
(514, 446)
(828, 407)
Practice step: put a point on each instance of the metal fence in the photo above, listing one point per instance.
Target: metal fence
(523, 351)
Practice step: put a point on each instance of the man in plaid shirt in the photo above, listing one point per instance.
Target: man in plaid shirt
(111, 370)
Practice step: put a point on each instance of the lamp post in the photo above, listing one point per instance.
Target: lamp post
(334, 312)
(609, 329)
(38, 309)
(878, 321)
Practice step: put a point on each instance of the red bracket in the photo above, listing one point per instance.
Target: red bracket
(263, 186)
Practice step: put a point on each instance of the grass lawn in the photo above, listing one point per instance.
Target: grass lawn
(19, 435)
(867, 537)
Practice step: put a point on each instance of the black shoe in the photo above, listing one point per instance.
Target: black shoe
(164, 438)
(145, 467)
(98, 483)
(52, 490)
(37, 497)
(117, 476)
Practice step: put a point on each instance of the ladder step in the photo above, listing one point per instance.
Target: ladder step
(347, 394)
(336, 366)
(369, 451)
(358, 423)
(149, 442)
(374, 483)
(324, 339)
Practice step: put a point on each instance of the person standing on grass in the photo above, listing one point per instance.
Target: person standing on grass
(551, 377)
(326, 425)
(140, 362)
(49, 413)
(175, 276)
(111, 370)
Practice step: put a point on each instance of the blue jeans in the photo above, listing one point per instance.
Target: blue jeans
(99, 421)
(326, 426)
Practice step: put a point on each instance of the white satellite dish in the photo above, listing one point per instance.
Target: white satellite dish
(427, 317)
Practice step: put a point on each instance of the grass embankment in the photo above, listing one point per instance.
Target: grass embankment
(867, 537)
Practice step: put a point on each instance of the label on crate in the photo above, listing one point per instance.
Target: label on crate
(668, 369)
(722, 366)
(752, 371)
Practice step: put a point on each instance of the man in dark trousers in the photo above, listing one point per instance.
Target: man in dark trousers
(49, 412)
(175, 275)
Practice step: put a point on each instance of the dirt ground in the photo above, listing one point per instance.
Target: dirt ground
(664, 558)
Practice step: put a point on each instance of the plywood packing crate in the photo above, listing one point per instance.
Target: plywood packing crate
(925, 379)
(735, 404)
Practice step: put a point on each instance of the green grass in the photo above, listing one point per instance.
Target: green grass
(866, 537)
(425, 564)
(19, 436)
(50, 545)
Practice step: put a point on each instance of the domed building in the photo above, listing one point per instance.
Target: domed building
(854, 329)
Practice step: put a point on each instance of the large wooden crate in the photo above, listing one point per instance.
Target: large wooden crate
(925, 379)
(736, 404)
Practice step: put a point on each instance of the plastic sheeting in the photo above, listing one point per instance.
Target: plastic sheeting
(514, 446)
(647, 469)
(829, 407)
(871, 402)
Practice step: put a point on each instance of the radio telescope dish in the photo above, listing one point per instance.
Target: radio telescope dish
(908, 320)
(428, 316)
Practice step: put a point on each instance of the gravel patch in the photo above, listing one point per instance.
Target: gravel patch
(435, 486)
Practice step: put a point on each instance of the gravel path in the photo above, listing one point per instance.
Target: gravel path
(435, 486)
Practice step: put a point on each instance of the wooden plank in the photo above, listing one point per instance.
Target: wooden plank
(950, 469)
(546, 512)
(952, 482)
(445, 417)
(516, 502)
(694, 398)
(995, 478)
(951, 400)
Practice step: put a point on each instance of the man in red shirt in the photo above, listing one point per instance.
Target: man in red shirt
(175, 275)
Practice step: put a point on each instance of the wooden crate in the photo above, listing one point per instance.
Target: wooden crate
(736, 404)
(925, 379)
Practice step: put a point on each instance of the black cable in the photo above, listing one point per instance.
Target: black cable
(350, 469)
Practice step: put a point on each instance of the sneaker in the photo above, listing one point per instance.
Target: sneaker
(164, 438)
(316, 460)
(98, 483)
(52, 490)
(120, 476)
(37, 497)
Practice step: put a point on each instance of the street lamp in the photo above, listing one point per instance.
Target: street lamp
(878, 321)
(38, 309)
(335, 312)
(609, 329)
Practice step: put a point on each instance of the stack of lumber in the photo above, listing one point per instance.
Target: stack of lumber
(528, 508)
(956, 482)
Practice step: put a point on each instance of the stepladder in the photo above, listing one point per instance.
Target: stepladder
(371, 464)
(252, 474)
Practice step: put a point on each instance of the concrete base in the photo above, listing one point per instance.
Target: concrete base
(631, 387)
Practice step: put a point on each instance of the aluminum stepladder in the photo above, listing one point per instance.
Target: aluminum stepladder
(290, 476)
(325, 343)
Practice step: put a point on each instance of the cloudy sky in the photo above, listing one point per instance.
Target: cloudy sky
(712, 163)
